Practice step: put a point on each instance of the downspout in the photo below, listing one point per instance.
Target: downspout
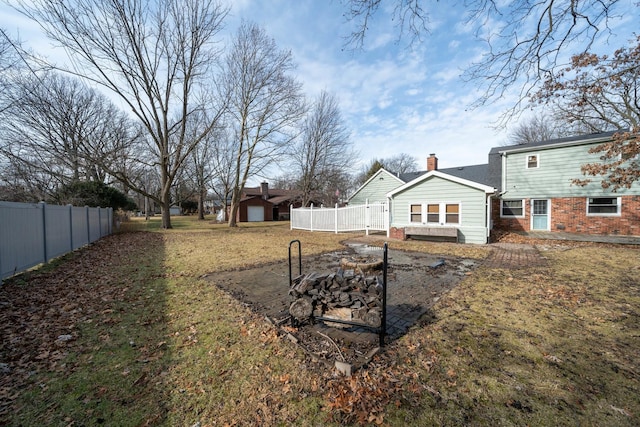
(503, 172)
(489, 216)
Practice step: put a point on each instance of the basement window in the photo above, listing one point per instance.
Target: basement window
(603, 206)
(512, 208)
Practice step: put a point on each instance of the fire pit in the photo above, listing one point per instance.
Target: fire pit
(364, 264)
(343, 298)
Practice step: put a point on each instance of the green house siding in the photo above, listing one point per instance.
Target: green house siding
(473, 209)
(376, 189)
(557, 167)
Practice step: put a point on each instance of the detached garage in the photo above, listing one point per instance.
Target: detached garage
(263, 204)
(255, 213)
(255, 209)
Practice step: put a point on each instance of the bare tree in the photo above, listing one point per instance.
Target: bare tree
(11, 64)
(536, 128)
(62, 130)
(201, 165)
(264, 104)
(223, 156)
(155, 56)
(400, 163)
(324, 150)
(525, 39)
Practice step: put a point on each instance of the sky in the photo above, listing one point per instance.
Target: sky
(394, 98)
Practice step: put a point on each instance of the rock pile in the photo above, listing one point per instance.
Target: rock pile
(343, 295)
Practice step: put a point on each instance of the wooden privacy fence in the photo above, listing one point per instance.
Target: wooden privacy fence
(35, 233)
(367, 217)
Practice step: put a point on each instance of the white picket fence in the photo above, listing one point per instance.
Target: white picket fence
(35, 233)
(367, 217)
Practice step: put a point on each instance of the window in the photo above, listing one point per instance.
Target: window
(513, 208)
(603, 206)
(416, 213)
(433, 213)
(532, 161)
(438, 213)
(452, 214)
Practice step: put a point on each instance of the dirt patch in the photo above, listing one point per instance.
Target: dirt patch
(415, 282)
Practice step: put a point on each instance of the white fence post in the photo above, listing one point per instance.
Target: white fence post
(335, 216)
(311, 215)
(367, 217)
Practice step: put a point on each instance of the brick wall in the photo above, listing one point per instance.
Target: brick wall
(397, 233)
(569, 214)
(509, 224)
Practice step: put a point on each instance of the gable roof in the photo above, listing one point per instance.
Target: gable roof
(449, 177)
(276, 196)
(381, 171)
(554, 143)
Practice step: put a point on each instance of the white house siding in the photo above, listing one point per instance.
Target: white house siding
(376, 188)
(473, 209)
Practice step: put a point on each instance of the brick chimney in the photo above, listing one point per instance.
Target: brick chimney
(432, 162)
(264, 190)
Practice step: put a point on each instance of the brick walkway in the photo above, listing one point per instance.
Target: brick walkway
(514, 256)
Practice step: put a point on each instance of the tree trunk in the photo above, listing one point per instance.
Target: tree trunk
(201, 197)
(166, 209)
(166, 215)
(233, 211)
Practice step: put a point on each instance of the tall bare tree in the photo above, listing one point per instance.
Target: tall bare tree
(155, 56)
(323, 151)
(201, 165)
(223, 157)
(264, 104)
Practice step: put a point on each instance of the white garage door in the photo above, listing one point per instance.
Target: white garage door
(255, 213)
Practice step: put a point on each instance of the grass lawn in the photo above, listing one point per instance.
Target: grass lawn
(127, 332)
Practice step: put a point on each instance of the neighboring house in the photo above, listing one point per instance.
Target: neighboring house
(536, 190)
(265, 204)
(450, 203)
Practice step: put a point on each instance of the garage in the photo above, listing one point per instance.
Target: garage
(255, 213)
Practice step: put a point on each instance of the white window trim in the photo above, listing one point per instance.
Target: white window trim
(442, 214)
(524, 208)
(422, 217)
(618, 202)
(526, 160)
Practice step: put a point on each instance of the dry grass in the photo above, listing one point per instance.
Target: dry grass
(155, 344)
(542, 346)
